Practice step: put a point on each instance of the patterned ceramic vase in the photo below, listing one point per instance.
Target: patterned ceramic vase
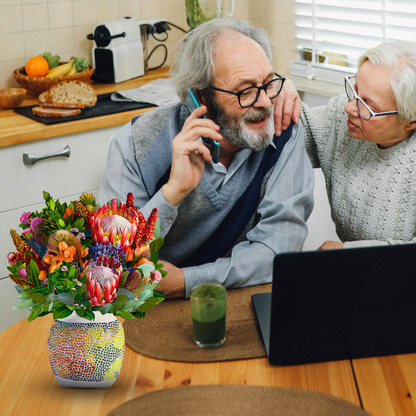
(86, 353)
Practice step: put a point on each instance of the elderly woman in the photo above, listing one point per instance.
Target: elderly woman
(365, 143)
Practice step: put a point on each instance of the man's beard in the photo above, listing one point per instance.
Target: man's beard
(235, 130)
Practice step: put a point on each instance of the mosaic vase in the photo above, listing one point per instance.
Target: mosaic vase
(86, 354)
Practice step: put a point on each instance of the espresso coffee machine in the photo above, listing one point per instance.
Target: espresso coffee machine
(119, 50)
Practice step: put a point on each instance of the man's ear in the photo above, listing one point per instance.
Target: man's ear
(411, 125)
(201, 98)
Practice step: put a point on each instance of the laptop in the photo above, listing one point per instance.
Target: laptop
(339, 304)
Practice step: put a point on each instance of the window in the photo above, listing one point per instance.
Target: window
(332, 34)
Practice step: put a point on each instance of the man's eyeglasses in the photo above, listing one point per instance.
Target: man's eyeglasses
(248, 96)
(365, 111)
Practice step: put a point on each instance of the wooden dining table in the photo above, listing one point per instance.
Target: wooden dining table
(383, 386)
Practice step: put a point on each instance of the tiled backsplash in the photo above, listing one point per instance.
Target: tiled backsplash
(32, 27)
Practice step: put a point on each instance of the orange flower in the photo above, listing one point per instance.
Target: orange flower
(69, 212)
(43, 275)
(142, 261)
(54, 261)
(66, 252)
(80, 254)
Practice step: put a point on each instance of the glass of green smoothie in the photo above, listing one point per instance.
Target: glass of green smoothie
(208, 304)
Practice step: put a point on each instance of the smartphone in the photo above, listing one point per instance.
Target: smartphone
(213, 145)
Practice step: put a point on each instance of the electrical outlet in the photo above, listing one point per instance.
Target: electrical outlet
(151, 21)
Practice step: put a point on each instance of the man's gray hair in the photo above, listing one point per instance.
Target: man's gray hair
(194, 65)
(399, 56)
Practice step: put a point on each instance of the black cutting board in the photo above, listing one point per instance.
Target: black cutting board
(103, 107)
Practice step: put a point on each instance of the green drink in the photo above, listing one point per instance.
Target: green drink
(208, 305)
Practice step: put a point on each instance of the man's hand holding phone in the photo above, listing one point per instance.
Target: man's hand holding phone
(189, 156)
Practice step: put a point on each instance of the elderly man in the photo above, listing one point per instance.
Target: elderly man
(222, 222)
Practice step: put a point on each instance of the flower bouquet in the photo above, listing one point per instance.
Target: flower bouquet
(86, 265)
(82, 258)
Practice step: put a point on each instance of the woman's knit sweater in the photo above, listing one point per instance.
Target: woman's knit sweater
(371, 191)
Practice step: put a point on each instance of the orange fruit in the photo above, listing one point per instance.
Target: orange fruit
(37, 67)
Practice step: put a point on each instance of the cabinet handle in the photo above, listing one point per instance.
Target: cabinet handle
(31, 160)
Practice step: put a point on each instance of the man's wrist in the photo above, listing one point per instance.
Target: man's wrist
(173, 197)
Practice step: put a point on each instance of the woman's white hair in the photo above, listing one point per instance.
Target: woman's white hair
(399, 56)
(194, 64)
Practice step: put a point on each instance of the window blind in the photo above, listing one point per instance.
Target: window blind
(331, 34)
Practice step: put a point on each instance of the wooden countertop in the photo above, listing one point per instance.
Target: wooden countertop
(15, 128)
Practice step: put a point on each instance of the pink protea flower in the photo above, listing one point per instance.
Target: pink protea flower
(113, 224)
(102, 284)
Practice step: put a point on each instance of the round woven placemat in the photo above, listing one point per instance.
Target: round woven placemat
(166, 332)
(236, 401)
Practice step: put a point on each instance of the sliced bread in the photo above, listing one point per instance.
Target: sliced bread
(55, 112)
(61, 105)
(72, 92)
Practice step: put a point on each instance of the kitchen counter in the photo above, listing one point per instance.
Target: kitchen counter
(15, 128)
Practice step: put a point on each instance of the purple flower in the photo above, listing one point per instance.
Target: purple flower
(64, 268)
(72, 230)
(80, 237)
(36, 224)
(22, 273)
(45, 282)
(24, 219)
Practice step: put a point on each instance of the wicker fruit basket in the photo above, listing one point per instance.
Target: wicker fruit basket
(41, 84)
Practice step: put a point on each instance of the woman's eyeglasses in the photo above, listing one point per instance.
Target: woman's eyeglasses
(365, 111)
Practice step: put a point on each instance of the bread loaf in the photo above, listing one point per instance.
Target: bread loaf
(55, 112)
(72, 92)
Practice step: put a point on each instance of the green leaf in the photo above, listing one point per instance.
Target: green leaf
(123, 291)
(38, 298)
(36, 310)
(51, 204)
(125, 315)
(134, 304)
(158, 294)
(145, 294)
(123, 278)
(146, 268)
(119, 302)
(72, 272)
(52, 297)
(23, 305)
(156, 231)
(66, 298)
(156, 244)
(61, 223)
(155, 258)
(34, 273)
(105, 308)
(62, 314)
(19, 289)
(89, 315)
(23, 295)
(80, 312)
(148, 304)
(59, 309)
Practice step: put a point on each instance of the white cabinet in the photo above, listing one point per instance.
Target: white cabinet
(21, 190)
